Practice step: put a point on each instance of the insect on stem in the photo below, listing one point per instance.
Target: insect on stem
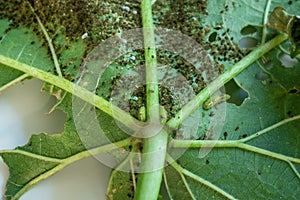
(211, 102)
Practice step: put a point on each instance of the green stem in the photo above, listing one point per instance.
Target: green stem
(49, 40)
(274, 126)
(76, 90)
(15, 81)
(154, 149)
(266, 15)
(230, 144)
(191, 106)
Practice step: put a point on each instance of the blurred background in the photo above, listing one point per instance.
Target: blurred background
(23, 111)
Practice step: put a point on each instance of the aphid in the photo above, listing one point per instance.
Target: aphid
(142, 114)
(163, 114)
(211, 102)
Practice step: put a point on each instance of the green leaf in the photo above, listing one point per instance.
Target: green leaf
(234, 172)
(46, 154)
(23, 45)
(121, 185)
(258, 157)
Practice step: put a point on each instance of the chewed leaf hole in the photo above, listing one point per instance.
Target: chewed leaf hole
(262, 76)
(247, 30)
(287, 61)
(237, 94)
(248, 43)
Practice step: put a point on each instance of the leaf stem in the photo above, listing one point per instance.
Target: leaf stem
(266, 14)
(230, 144)
(259, 133)
(154, 149)
(49, 40)
(15, 81)
(183, 171)
(191, 106)
(76, 90)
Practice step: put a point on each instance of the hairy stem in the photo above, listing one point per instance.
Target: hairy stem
(154, 149)
(191, 106)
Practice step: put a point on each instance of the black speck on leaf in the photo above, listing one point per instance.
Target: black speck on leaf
(293, 91)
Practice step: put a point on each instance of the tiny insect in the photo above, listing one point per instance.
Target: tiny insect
(142, 114)
(211, 102)
(163, 114)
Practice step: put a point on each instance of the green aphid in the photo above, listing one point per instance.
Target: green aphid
(211, 102)
(163, 114)
(142, 114)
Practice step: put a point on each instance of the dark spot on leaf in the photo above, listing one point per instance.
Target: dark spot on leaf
(211, 114)
(247, 30)
(294, 91)
(32, 42)
(218, 28)
(259, 173)
(212, 37)
(237, 128)
(243, 136)
(207, 162)
(30, 144)
(225, 135)
(289, 113)
(290, 2)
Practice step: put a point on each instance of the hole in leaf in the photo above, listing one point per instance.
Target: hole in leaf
(262, 76)
(248, 43)
(247, 30)
(212, 37)
(237, 94)
(287, 61)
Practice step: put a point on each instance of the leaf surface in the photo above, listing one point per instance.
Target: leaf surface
(269, 170)
(263, 163)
